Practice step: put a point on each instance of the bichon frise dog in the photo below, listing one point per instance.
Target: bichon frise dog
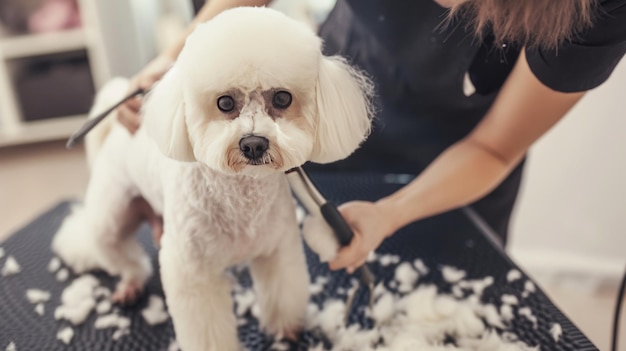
(250, 96)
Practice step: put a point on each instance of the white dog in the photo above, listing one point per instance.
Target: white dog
(249, 97)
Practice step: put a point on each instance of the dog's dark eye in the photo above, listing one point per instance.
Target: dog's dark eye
(225, 103)
(282, 99)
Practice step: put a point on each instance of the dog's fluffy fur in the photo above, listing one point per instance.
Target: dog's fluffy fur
(219, 208)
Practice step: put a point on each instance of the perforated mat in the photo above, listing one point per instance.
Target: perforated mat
(450, 239)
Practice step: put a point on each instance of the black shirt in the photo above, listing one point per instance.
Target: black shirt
(588, 60)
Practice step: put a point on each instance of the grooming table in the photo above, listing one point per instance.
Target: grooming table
(457, 239)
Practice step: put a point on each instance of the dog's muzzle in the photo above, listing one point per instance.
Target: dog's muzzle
(254, 148)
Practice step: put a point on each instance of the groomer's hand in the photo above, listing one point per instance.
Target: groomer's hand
(371, 223)
(128, 113)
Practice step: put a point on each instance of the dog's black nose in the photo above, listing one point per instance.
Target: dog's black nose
(253, 147)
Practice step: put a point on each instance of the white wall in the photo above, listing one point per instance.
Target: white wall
(127, 31)
(571, 215)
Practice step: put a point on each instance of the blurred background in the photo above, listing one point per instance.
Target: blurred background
(569, 223)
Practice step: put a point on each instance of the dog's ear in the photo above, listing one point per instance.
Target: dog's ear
(164, 117)
(344, 108)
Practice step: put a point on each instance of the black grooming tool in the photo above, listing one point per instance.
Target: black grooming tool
(314, 203)
(92, 122)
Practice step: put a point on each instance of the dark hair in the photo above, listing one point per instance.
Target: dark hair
(533, 23)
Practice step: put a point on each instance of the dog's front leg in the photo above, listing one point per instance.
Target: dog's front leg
(281, 281)
(320, 237)
(199, 303)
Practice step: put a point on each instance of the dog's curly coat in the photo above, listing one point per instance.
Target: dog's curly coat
(250, 96)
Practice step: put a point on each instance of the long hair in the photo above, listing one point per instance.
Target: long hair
(533, 23)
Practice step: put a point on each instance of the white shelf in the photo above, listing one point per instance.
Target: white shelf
(43, 130)
(41, 44)
(14, 128)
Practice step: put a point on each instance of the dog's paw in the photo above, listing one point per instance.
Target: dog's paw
(73, 245)
(320, 237)
(127, 292)
(291, 334)
(285, 333)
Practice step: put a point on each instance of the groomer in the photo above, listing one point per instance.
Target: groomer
(464, 89)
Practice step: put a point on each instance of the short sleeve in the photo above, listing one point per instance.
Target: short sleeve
(587, 61)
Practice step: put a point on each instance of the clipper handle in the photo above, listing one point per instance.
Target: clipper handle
(91, 123)
(344, 235)
(338, 223)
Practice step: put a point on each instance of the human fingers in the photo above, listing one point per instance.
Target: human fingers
(350, 269)
(129, 118)
(146, 82)
(128, 112)
(134, 104)
(349, 255)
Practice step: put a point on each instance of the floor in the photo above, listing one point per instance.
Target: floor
(35, 177)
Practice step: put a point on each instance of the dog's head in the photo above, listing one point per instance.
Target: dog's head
(251, 93)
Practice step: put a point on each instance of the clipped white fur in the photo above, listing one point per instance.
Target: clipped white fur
(320, 237)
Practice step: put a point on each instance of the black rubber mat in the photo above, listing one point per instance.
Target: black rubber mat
(449, 239)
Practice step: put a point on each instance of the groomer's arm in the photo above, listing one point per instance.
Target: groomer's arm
(128, 113)
(468, 170)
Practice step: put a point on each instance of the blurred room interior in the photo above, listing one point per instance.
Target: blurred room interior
(569, 223)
